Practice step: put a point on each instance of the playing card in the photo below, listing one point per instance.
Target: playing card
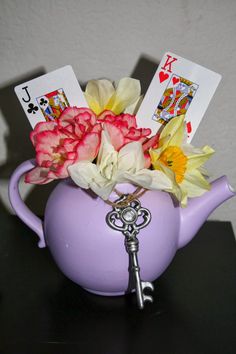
(178, 87)
(45, 97)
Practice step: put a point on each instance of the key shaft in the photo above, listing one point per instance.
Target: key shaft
(132, 247)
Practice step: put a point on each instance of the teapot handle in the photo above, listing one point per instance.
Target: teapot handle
(22, 211)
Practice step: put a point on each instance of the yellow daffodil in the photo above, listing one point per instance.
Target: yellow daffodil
(181, 162)
(124, 97)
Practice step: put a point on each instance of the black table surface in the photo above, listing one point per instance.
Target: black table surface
(194, 311)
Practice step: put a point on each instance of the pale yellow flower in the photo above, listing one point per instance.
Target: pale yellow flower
(103, 95)
(181, 162)
(112, 167)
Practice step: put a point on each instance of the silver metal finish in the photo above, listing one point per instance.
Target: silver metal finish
(130, 220)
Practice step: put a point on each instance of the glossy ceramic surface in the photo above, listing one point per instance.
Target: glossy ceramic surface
(92, 254)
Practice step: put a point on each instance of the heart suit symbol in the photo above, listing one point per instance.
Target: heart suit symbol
(189, 127)
(175, 80)
(163, 76)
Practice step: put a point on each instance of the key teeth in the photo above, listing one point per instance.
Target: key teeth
(147, 285)
(147, 298)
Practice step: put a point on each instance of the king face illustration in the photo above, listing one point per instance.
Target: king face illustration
(175, 100)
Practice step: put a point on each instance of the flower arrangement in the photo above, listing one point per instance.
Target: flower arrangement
(101, 146)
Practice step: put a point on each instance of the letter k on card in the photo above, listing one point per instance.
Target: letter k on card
(178, 87)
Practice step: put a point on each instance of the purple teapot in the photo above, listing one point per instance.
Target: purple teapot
(91, 253)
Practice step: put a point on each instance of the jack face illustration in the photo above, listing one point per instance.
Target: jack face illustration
(53, 104)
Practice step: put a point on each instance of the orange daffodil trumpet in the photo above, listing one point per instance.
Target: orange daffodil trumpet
(181, 162)
(102, 145)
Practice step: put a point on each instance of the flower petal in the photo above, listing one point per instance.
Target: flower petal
(40, 127)
(107, 157)
(151, 142)
(87, 149)
(115, 134)
(127, 92)
(82, 173)
(98, 93)
(149, 179)
(42, 158)
(173, 132)
(108, 115)
(195, 184)
(131, 158)
(86, 175)
(61, 171)
(69, 113)
(134, 107)
(197, 160)
(38, 175)
(131, 120)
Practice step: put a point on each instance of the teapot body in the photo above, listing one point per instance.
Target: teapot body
(91, 253)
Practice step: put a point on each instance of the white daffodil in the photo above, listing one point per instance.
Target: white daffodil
(114, 167)
(181, 162)
(124, 97)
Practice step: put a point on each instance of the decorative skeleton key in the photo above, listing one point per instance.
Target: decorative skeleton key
(126, 220)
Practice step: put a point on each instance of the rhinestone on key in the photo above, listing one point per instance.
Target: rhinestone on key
(129, 215)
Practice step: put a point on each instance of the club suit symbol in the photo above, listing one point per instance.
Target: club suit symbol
(32, 108)
(43, 102)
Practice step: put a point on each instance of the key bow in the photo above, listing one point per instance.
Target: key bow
(129, 219)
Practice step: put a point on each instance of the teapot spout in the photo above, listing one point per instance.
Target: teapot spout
(196, 213)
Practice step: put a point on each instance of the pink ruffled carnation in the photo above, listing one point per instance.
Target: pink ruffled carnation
(123, 129)
(74, 136)
(148, 144)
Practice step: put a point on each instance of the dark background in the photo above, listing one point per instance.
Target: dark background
(194, 309)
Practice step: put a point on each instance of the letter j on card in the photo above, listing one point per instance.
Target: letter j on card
(46, 97)
(178, 87)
